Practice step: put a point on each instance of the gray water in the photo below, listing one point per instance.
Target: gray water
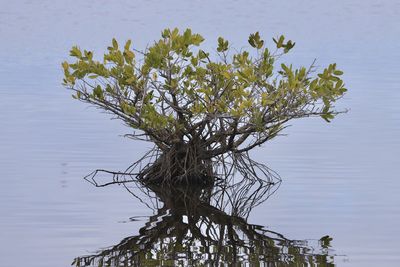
(339, 179)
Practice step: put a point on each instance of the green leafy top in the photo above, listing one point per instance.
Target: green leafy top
(176, 92)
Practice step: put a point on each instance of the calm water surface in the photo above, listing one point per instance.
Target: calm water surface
(339, 179)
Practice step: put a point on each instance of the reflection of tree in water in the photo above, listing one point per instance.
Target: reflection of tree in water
(207, 226)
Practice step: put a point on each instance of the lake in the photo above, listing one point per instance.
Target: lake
(338, 179)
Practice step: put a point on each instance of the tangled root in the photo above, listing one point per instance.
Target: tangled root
(174, 167)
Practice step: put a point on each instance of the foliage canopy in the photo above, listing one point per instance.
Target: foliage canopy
(178, 95)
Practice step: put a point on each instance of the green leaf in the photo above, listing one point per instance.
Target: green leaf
(251, 41)
(255, 40)
(194, 61)
(197, 39)
(75, 52)
(128, 55)
(187, 35)
(327, 117)
(289, 45)
(88, 55)
(285, 68)
(114, 44)
(98, 92)
(127, 44)
(174, 33)
(222, 45)
(166, 33)
(338, 72)
(279, 43)
(65, 66)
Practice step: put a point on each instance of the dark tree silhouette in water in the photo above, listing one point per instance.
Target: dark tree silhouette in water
(201, 111)
(207, 226)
